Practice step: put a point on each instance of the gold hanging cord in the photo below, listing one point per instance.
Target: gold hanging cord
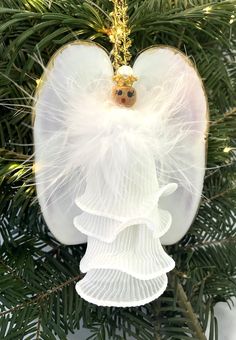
(119, 34)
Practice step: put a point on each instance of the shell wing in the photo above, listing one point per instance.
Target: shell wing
(170, 93)
(72, 74)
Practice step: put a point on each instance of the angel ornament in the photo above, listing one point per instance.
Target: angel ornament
(121, 161)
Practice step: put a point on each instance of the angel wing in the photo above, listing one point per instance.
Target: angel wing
(181, 106)
(73, 67)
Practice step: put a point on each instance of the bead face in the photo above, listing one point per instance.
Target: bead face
(124, 95)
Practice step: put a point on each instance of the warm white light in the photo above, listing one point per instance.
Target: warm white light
(37, 2)
(228, 149)
(36, 167)
(232, 19)
(38, 81)
(199, 26)
(207, 9)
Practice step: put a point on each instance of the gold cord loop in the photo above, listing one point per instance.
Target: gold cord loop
(119, 34)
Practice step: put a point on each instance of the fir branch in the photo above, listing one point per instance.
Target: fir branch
(220, 194)
(39, 298)
(189, 312)
(181, 38)
(228, 114)
(157, 325)
(38, 325)
(221, 242)
(12, 155)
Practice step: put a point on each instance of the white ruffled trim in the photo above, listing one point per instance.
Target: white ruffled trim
(107, 287)
(95, 204)
(107, 229)
(125, 262)
(134, 252)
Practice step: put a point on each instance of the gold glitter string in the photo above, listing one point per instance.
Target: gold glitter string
(119, 34)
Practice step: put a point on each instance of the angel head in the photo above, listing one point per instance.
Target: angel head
(123, 92)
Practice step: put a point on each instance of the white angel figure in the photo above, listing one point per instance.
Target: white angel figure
(124, 178)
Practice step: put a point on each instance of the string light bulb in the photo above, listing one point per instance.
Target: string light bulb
(227, 149)
(207, 9)
(232, 19)
(38, 81)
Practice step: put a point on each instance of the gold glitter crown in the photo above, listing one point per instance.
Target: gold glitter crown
(124, 80)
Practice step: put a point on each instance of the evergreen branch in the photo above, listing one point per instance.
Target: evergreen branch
(181, 38)
(211, 243)
(38, 325)
(157, 326)
(42, 296)
(189, 312)
(12, 155)
(220, 194)
(228, 114)
(11, 271)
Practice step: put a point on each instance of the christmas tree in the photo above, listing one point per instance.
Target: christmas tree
(38, 274)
